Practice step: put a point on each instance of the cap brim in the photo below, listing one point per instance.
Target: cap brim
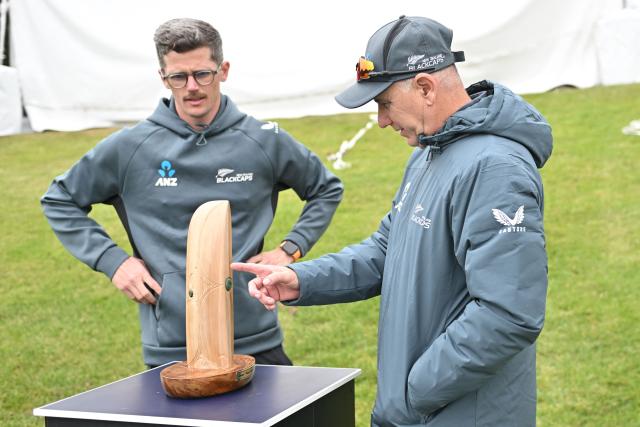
(360, 93)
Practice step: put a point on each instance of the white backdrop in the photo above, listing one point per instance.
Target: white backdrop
(85, 64)
(10, 105)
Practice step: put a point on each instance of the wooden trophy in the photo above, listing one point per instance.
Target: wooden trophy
(211, 367)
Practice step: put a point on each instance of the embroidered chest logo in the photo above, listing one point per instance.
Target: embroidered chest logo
(404, 196)
(510, 225)
(167, 178)
(421, 220)
(225, 176)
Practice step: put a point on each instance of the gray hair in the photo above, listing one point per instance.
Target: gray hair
(186, 34)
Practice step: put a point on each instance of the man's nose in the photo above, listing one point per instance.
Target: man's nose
(192, 84)
(383, 120)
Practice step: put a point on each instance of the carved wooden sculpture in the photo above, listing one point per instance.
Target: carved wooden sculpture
(211, 367)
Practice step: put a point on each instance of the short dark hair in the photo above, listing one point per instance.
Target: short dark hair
(186, 34)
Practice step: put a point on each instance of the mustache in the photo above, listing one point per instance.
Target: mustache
(194, 96)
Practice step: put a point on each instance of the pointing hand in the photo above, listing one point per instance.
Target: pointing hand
(272, 283)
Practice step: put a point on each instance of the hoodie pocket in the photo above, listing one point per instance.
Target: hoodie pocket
(171, 311)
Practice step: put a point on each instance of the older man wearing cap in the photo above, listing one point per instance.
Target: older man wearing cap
(459, 260)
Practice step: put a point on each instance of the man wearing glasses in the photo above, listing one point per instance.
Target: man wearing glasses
(459, 261)
(196, 147)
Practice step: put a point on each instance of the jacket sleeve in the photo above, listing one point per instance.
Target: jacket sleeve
(67, 203)
(298, 168)
(498, 238)
(353, 274)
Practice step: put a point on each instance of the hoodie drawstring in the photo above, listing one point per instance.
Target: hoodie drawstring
(202, 140)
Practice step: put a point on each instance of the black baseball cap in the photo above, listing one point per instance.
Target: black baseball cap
(397, 51)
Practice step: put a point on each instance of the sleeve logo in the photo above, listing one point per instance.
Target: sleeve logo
(510, 225)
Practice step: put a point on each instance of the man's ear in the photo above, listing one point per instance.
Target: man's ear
(224, 71)
(427, 86)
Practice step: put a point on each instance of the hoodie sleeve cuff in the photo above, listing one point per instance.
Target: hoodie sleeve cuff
(110, 260)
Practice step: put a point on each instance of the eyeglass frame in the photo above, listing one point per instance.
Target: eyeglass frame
(191, 74)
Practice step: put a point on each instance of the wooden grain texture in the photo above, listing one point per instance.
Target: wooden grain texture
(183, 382)
(209, 302)
(211, 367)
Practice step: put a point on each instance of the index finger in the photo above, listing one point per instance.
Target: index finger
(257, 269)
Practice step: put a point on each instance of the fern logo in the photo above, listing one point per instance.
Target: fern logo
(223, 172)
(166, 173)
(510, 225)
(413, 59)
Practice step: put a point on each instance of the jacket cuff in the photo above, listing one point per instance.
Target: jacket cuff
(301, 283)
(110, 260)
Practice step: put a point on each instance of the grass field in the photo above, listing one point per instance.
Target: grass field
(64, 328)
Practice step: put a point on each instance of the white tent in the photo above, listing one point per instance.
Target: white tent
(79, 64)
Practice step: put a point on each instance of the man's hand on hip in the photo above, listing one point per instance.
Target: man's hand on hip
(272, 283)
(131, 277)
(274, 257)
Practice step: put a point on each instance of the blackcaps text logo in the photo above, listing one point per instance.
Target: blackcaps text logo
(224, 176)
(421, 220)
(166, 173)
(419, 62)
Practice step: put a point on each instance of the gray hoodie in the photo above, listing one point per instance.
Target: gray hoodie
(156, 174)
(461, 267)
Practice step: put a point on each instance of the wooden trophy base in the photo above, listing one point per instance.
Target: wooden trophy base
(180, 381)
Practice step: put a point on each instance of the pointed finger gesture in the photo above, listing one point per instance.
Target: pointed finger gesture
(272, 283)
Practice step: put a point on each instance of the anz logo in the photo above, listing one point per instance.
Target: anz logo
(166, 173)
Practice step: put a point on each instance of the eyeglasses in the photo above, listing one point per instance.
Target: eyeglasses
(202, 77)
(364, 71)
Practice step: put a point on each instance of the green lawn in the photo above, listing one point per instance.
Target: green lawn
(65, 328)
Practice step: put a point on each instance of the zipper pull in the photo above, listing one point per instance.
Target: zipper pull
(433, 149)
